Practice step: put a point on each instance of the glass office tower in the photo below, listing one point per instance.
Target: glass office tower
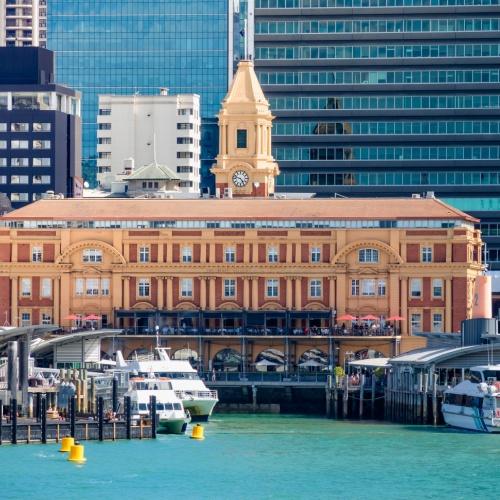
(138, 46)
(386, 98)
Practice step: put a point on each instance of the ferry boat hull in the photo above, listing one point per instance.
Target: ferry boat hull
(199, 409)
(172, 426)
(472, 422)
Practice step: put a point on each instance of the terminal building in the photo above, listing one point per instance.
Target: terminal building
(247, 262)
(40, 128)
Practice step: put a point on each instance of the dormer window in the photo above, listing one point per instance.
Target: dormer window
(241, 138)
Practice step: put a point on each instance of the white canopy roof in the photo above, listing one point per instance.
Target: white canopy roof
(371, 363)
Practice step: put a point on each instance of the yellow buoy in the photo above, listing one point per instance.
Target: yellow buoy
(66, 444)
(197, 432)
(76, 453)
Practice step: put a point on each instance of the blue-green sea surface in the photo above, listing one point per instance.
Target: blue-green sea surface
(266, 457)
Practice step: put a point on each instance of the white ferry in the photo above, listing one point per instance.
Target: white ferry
(197, 399)
(172, 418)
(475, 404)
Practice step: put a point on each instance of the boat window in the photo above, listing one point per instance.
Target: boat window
(169, 406)
(473, 402)
(475, 377)
(492, 374)
(177, 406)
(454, 399)
(159, 406)
(143, 407)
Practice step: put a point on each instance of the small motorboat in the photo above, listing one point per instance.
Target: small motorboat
(474, 404)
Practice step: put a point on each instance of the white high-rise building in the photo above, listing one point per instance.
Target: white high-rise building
(23, 23)
(163, 129)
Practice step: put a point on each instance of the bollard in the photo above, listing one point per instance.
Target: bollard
(152, 413)
(128, 416)
(77, 453)
(38, 406)
(72, 416)
(66, 444)
(44, 421)
(100, 417)
(13, 420)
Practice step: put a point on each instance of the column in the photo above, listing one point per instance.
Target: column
(404, 307)
(289, 293)
(448, 307)
(168, 257)
(56, 311)
(14, 301)
(255, 293)
(223, 132)
(340, 295)
(203, 253)
(246, 291)
(255, 253)
(298, 293)
(269, 137)
(161, 257)
(246, 253)
(211, 293)
(203, 292)
(126, 293)
(256, 139)
(298, 252)
(14, 252)
(170, 293)
(211, 257)
(159, 298)
(289, 253)
(65, 295)
(116, 291)
(331, 282)
(394, 294)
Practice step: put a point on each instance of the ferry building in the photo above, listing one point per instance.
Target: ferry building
(245, 263)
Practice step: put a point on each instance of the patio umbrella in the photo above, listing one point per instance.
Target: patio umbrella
(346, 317)
(311, 363)
(369, 317)
(395, 318)
(92, 317)
(72, 317)
(266, 362)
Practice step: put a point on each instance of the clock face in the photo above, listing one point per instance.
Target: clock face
(240, 178)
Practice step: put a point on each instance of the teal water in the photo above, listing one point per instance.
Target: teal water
(266, 457)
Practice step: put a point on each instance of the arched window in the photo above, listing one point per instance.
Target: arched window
(368, 255)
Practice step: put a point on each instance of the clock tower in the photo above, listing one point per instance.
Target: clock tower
(245, 163)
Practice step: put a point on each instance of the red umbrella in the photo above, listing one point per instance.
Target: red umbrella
(395, 318)
(92, 317)
(346, 317)
(72, 317)
(369, 317)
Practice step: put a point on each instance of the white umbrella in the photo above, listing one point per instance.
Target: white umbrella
(266, 362)
(311, 363)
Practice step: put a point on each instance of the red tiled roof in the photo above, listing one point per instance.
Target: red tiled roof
(237, 209)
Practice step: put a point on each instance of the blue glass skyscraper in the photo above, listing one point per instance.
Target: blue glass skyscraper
(138, 46)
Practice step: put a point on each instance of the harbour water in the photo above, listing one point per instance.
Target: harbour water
(266, 457)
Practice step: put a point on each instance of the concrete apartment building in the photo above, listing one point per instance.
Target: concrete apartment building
(23, 23)
(163, 129)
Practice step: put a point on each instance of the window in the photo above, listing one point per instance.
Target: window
(230, 254)
(144, 254)
(41, 179)
(105, 286)
(437, 288)
(241, 138)
(41, 127)
(19, 127)
(437, 322)
(272, 254)
(315, 288)
(25, 287)
(416, 288)
(186, 287)
(46, 288)
(19, 179)
(316, 254)
(19, 144)
(41, 144)
(426, 254)
(185, 126)
(272, 288)
(381, 289)
(416, 322)
(41, 162)
(144, 287)
(20, 162)
(92, 286)
(187, 254)
(92, 255)
(36, 254)
(79, 284)
(17, 197)
(229, 288)
(368, 255)
(368, 288)
(25, 319)
(354, 287)
(46, 318)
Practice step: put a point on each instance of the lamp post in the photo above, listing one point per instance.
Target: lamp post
(348, 355)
